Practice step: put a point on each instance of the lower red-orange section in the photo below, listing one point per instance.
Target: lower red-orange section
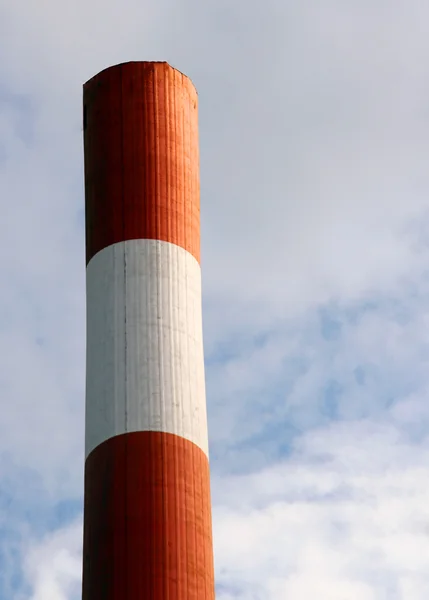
(147, 526)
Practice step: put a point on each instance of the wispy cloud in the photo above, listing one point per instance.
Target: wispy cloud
(54, 565)
(345, 516)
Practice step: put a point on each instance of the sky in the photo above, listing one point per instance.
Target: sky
(314, 139)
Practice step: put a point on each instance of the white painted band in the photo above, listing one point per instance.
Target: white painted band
(145, 364)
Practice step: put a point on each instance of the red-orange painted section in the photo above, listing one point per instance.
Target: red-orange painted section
(147, 528)
(141, 157)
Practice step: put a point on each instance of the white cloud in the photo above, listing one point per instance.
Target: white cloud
(53, 566)
(346, 517)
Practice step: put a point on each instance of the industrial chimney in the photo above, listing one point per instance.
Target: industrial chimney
(147, 511)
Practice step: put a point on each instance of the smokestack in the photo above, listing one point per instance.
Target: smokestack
(147, 512)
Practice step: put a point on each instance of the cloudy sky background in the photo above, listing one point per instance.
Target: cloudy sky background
(314, 130)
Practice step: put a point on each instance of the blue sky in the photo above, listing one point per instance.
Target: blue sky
(314, 135)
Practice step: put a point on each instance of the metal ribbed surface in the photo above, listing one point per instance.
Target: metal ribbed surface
(141, 157)
(147, 520)
(147, 516)
(145, 368)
